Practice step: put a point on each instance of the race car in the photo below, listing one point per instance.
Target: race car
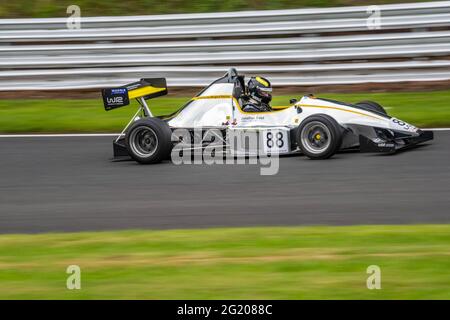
(315, 127)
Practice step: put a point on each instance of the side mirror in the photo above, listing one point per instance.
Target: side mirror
(293, 101)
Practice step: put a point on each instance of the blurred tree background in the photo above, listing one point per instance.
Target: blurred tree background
(57, 8)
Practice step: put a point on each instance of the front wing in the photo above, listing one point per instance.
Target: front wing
(393, 145)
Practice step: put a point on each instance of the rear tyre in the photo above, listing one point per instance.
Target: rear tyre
(371, 106)
(319, 137)
(148, 141)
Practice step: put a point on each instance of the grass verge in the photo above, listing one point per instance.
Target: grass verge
(232, 263)
(57, 8)
(422, 109)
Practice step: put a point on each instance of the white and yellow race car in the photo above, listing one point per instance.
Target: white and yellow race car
(315, 127)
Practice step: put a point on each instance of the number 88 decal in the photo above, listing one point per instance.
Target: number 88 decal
(399, 122)
(402, 124)
(279, 139)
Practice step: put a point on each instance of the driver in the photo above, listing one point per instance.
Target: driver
(259, 95)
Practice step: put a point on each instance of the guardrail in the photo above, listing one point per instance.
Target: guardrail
(229, 17)
(292, 47)
(226, 30)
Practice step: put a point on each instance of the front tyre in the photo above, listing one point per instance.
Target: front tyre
(319, 137)
(148, 141)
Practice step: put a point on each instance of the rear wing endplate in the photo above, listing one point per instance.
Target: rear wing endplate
(144, 89)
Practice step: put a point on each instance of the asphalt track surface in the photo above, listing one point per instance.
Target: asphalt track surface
(69, 184)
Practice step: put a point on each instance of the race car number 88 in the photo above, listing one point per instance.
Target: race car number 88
(404, 125)
(270, 142)
(275, 141)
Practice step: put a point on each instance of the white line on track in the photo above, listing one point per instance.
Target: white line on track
(63, 135)
(58, 135)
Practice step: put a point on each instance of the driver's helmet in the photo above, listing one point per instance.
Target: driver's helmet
(260, 89)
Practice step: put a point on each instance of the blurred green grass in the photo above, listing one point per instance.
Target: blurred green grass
(423, 109)
(57, 8)
(231, 263)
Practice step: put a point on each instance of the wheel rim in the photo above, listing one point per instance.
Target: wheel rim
(316, 137)
(143, 141)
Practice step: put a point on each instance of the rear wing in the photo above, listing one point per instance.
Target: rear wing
(144, 89)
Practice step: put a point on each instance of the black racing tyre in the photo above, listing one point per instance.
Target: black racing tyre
(149, 140)
(319, 136)
(371, 106)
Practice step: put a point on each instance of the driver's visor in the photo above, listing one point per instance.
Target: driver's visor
(264, 94)
(265, 89)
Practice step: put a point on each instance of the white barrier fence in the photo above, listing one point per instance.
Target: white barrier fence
(292, 47)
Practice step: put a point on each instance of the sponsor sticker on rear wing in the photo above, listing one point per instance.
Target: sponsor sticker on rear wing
(144, 89)
(115, 98)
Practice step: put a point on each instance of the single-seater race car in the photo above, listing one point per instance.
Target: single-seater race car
(315, 127)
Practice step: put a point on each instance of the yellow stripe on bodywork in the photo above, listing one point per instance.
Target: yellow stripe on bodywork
(281, 108)
(144, 91)
(238, 105)
(340, 109)
(213, 97)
